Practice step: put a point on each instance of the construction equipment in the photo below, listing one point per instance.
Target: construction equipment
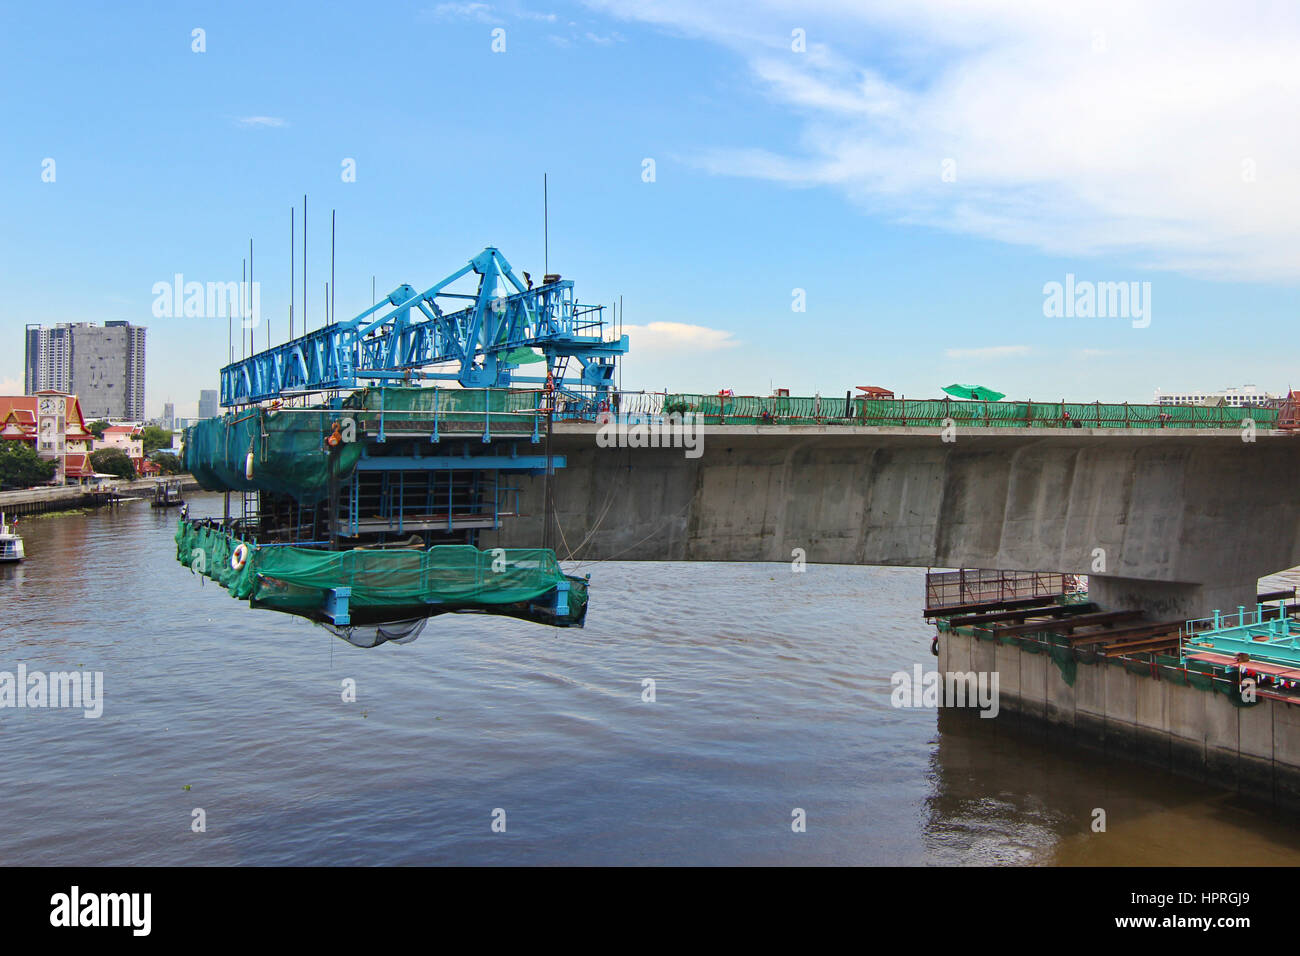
(479, 343)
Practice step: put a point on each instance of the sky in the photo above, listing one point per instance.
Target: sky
(810, 195)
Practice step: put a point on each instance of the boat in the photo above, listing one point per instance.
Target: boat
(11, 545)
(167, 493)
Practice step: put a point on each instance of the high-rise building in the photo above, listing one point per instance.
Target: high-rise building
(102, 365)
(169, 416)
(48, 358)
(208, 403)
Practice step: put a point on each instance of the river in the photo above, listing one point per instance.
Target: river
(771, 696)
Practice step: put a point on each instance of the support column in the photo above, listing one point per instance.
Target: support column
(1166, 600)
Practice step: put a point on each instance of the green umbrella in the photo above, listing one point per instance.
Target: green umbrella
(978, 392)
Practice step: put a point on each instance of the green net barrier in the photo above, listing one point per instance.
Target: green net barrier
(288, 449)
(208, 552)
(410, 407)
(444, 577)
(288, 445)
(454, 575)
(749, 409)
(1065, 661)
(1199, 674)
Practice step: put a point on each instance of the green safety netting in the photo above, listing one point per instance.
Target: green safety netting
(413, 406)
(288, 445)
(387, 584)
(1065, 661)
(850, 410)
(1199, 674)
(288, 449)
(1202, 675)
(208, 551)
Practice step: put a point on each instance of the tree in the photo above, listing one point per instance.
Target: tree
(155, 438)
(21, 467)
(169, 463)
(112, 461)
(96, 428)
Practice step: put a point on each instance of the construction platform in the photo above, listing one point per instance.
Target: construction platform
(1217, 699)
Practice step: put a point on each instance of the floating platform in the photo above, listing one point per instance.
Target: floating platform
(378, 588)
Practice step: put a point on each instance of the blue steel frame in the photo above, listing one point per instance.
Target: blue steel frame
(415, 331)
(1264, 633)
(488, 468)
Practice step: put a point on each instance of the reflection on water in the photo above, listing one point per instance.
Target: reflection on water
(1011, 793)
(772, 693)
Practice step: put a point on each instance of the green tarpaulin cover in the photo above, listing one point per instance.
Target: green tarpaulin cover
(288, 444)
(386, 583)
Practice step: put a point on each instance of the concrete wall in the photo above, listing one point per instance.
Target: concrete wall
(1197, 733)
(36, 500)
(1185, 521)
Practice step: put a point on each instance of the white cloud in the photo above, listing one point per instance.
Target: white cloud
(11, 386)
(671, 337)
(261, 121)
(988, 352)
(1162, 131)
(464, 11)
(484, 13)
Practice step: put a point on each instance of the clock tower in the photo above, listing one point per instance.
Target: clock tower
(51, 426)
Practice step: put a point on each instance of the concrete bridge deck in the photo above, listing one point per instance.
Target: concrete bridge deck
(1174, 521)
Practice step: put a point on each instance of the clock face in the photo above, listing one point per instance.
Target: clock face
(47, 406)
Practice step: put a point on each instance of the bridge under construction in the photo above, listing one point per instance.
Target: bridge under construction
(469, 416)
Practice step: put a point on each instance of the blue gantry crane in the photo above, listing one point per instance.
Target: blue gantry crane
(479, 339)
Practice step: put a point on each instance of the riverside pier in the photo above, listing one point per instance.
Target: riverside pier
(1215, 699)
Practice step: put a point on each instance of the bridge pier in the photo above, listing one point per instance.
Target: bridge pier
(1172, 600)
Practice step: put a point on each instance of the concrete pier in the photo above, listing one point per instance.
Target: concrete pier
(1202, 734)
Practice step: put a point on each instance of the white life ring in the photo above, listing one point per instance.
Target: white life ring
(239, 558)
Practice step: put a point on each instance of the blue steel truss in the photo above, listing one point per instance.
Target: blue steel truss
(404, 334)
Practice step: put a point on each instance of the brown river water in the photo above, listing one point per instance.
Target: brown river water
(772, 695)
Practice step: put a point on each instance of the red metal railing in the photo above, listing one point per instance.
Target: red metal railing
(974, 586)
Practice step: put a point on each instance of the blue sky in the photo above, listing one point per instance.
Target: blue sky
(1155, 144)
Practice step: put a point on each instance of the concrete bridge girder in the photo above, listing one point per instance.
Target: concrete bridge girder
(1175, 521)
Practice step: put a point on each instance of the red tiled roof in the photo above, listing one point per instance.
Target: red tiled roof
(20, 410)
(77, 466)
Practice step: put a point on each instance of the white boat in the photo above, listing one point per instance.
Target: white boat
(11, 545)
